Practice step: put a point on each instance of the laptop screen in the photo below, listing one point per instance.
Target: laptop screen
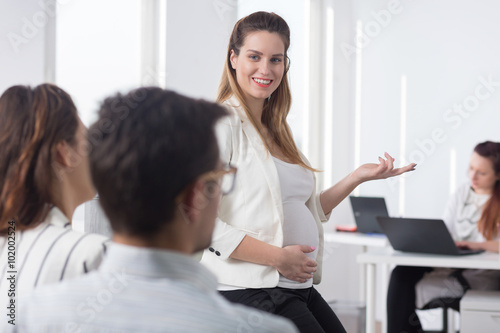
(366, 210)
(420, 236)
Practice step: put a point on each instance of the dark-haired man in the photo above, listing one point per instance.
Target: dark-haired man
(155, 163)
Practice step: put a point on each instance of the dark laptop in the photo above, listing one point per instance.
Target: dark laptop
(365, 211)
(420, 236)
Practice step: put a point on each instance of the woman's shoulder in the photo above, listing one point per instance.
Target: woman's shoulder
(465, 186)
(68, 237)
(236, 112)
(463, 189)
(58, 226)
(461, 194)
(84, 245)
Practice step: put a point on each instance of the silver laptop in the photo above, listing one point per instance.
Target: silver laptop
(365, 211)
(420, 236)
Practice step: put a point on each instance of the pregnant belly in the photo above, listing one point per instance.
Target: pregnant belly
(299, 227)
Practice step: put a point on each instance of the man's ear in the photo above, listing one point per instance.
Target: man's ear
(194, 202)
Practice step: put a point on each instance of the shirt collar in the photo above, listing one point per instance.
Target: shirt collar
(57, 218)
(157, 263)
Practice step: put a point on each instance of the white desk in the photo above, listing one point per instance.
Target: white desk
(356, 238)
(486, 260)
(363, 240)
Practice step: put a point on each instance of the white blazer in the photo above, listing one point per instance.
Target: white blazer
(254, 208)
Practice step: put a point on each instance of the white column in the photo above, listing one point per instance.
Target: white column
(22, 60)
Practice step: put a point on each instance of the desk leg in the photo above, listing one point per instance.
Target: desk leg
(370, 298)
(362, 279)
(386, 273)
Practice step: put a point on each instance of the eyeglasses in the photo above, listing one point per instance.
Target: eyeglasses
(226, 176)
(223, 178)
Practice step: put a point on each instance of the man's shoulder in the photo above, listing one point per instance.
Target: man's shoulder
(53, 303)
(97, 297)
(66, 290)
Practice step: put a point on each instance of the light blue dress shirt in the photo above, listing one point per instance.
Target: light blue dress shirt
(141, 290)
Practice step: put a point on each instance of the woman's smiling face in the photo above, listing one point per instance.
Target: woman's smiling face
(260, 65)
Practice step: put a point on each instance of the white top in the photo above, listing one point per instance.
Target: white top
(141, 290)
(462, 213)
(49, 253)
(299, 227)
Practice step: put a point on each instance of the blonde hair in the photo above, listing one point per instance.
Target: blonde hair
(277, 107)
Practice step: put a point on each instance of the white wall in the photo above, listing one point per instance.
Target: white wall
(197, 36)
(340, 272)
(444, 49)
(22, 31)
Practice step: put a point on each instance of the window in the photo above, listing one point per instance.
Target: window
(98, 50)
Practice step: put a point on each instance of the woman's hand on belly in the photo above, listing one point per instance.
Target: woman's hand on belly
(293, 264)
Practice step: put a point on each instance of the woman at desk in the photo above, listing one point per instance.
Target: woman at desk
(268, 241)
(473, 217)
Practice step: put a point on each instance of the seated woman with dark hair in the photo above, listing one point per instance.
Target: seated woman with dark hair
(44, 176)
(472, 216)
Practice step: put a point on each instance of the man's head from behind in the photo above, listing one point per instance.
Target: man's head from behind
(150, 150)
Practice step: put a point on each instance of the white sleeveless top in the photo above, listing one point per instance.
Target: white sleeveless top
(299, 227)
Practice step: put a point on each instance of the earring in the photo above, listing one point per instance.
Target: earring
(269, 98)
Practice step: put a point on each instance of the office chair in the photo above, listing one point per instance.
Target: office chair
(444, 303)
(448, 302)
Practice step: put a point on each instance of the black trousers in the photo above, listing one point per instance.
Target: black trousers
(401, 315)
(304, 307)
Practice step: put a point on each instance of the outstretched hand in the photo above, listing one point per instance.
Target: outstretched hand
(383, 170)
